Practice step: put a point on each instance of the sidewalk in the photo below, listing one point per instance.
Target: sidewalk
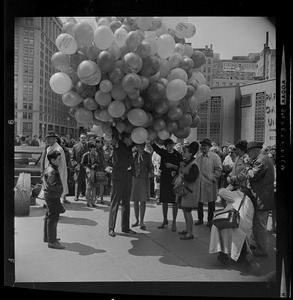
(91, 255)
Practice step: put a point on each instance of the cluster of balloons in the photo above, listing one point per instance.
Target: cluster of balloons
(134, 73)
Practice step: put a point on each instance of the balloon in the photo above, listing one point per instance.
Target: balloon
(132, 63)
(159, 124)
(60, 83)
(177, 73)
(164, 67)
(139, 135)
(198, 76)
(121, 126)
(171, 126)
(103, 37)
(198, 58)
(131, 82)
(153, 43)
(120, 37)
(106, 61)
(137, 117)
(115, 51)
(163, 81)
(175, 113)
(186, 63)
(195, 122)
(68, 28)
(185, 30)
(97, 122)
(103, 98)
(85, 90)
(144, 82)
(144, 49)
(182, 133)
(176, 89)
(66, 43)
(116, 109)
(83, 115)
(60, 61)
(117, 91)
(102, 115)
(179, 48)
(92, 52)
(175, 60)
(90, 103)
(73, 75)
(152, 134)
(163, 134)
(144, 23)
(116, 75)
(137, 102)
(103, 21)
(171, 22)
(193, 102)
(134, 94)
(89, 72)
(150, 66)
(97, 129)
(185, 120)
(132, 40)
(190, 91)
(107, 128)
(106, 86)
(114, 25)
(72, 98)
(76, 58)
(203, 93)
(83, 33)
(161, 107)
(187, 50)
(156, 91)
(166, 45)
(126, 27)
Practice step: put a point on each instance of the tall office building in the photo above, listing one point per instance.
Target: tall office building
(37, 108)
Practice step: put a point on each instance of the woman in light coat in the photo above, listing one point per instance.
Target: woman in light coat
(232, 240)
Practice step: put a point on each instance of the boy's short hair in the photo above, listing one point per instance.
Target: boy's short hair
(53, 155)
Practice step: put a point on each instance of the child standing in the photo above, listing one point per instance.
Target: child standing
(53, 190)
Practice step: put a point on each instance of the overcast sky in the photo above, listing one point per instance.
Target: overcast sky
(230, 36)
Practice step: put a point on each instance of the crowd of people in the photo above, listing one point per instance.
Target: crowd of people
(240, 176)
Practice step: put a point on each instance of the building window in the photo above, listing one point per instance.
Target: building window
(260, 103)
(215, 119)
(246, 100)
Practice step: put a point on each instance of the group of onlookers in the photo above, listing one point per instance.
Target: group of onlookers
(245, 174)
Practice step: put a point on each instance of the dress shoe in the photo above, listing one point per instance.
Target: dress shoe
(135, 224)
(183, 232)
(199, 222)
(128, 231)
(66, 201)
(163, 225)
(56, 245)
(142, 227)
(112, 233)
(76, 199)
(187, 237)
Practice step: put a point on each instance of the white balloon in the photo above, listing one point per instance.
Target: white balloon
(60, 83)
(66, 43)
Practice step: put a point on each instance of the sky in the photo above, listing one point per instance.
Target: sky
(230, 36)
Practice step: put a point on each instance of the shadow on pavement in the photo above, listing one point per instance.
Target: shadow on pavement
(81, 248)
(77, 221)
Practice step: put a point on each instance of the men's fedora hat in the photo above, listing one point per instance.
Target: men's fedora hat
(252, 145)
(241, 144)
(51, 134)
(206, 142)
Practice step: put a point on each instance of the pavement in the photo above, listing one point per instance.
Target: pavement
(151, 255)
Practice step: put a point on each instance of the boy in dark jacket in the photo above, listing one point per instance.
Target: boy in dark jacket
(53, 189)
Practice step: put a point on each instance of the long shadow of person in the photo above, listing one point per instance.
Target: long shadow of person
(77, 221)
(82, 249)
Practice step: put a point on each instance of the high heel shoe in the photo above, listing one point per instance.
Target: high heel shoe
(163, 225)
(174, 227)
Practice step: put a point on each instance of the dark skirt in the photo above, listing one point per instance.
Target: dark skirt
(166, 190)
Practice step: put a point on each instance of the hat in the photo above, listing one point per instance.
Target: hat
(51, 134)
(252, 145)
(241, 144)
(206, 142)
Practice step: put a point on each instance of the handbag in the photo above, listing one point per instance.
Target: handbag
(224, 219)
(180, 189)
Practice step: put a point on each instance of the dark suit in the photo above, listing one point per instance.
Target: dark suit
(78, 151)
(121, 185)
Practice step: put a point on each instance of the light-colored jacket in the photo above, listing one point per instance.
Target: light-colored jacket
(238, 173)
(210, 167)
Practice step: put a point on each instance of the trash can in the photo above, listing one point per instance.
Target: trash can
(22, 192)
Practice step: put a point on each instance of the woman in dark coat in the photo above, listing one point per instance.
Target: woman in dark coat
(170, 162)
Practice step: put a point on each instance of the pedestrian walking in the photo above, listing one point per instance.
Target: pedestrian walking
(78, 151)
(121, 183)
(90, 163)
(169, 166)
(189, 172)
(210, 167)
(142, 170)
(261, 179)
(53, 189)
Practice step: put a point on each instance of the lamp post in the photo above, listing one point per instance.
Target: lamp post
(68, 119)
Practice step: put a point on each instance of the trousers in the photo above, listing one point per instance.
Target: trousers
(121, 191)
(211, 209)
(259, 228)
(53, 209)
